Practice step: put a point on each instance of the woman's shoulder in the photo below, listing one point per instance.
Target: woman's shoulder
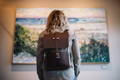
(71, 34)
(42, 34)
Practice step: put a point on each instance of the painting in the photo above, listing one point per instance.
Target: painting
(89, 25)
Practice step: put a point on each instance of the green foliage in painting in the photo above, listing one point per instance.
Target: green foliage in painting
(95, 51)
(23, 42)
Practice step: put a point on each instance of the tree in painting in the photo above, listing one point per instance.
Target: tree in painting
(23, 43)
(94, 52)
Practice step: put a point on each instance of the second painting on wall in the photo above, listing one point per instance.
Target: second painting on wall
(89, 25)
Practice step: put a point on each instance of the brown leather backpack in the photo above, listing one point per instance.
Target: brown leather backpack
(56, 51)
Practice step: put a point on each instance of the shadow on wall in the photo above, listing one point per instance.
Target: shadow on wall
(24, 67)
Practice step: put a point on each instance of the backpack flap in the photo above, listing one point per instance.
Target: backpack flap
(59, 40)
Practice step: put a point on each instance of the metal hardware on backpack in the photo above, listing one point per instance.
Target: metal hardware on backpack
(56, 51)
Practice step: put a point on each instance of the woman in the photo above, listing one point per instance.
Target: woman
(57, 22)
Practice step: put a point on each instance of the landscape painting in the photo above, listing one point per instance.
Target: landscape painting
(89, 25)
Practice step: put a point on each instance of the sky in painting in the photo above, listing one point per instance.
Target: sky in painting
(69, 12)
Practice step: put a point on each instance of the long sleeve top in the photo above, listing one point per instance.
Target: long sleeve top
(74, 60)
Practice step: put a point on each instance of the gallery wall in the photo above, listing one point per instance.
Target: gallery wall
(88, 71)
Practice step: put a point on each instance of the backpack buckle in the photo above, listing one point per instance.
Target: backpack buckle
(57, 55)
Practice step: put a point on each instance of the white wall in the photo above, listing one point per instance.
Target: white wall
(88, 72)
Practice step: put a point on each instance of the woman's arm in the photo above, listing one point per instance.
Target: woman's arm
(40, 57)
(76, 55)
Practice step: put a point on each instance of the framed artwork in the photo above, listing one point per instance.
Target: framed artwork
(89, 25)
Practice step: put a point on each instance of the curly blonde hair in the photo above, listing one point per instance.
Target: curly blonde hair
(56, 22)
